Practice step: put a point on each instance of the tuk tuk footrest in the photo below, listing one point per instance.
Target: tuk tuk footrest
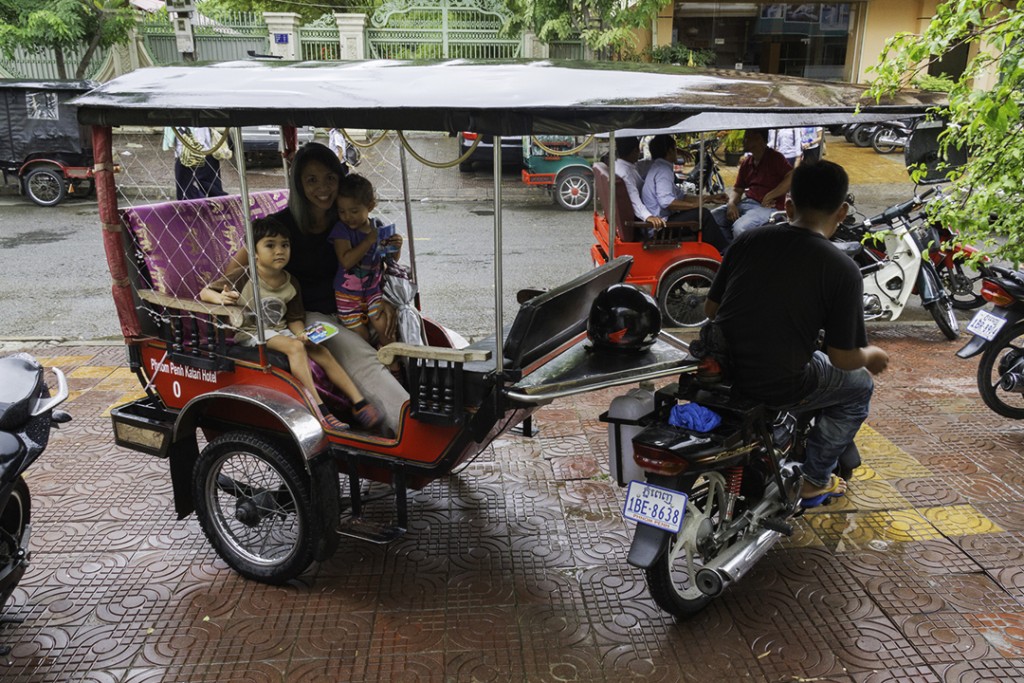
(374, 532)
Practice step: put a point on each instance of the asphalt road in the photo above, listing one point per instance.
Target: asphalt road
(54, 281)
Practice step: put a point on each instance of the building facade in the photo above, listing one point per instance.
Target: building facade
(825, 40)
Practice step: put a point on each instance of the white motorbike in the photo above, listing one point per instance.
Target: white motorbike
(891, 250)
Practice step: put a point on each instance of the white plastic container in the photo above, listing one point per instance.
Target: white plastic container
(623, 415)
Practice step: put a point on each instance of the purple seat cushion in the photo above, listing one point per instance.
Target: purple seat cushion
(185, 244)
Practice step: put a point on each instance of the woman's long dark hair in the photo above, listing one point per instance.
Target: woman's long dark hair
(298, 203)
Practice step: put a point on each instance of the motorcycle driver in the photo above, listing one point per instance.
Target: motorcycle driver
(777, 288)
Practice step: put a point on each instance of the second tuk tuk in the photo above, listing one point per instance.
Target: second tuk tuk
(42, 146)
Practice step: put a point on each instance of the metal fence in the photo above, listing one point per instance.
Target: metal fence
(320, 40)
(42, 64)
(229, 36)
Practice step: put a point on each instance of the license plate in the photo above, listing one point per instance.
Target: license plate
(655, 506)
(986, 325)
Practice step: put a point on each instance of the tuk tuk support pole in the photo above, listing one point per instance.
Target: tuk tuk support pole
(499, 339)
(612, 216)
(700, 187)
(250, 246)
(113, 240)
(408, 212)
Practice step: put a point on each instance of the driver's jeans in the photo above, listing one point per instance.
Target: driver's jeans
(841, 401)
(752, 215)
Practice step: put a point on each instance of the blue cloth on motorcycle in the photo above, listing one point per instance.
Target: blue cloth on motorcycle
(695, 417)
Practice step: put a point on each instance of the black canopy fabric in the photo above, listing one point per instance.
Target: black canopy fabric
(36, 119)
(506, 98)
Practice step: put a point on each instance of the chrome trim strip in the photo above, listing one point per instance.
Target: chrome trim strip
(305, 429)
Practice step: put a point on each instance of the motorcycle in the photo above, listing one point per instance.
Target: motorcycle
(999, 337)
(893, 266)
(889, 136)
(709, 505)
(27, 413)
(705, 173)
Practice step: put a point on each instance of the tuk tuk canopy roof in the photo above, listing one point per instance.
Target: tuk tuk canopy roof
(504, 98)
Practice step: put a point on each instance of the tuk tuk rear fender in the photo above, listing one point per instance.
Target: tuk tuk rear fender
(77, 172)
(706, 261)
(547, 173)
(267, 409)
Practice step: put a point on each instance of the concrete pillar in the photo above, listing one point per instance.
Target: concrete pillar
(533, 48)
(351, 35)
(284, 34)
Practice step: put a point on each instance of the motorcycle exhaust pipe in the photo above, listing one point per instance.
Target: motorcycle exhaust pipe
(735, 562)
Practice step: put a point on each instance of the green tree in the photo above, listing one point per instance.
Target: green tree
(62, 26)
(607, 26)
(309, 11)
(985, 194)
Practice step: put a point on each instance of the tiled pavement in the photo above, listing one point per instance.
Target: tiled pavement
(514, 569)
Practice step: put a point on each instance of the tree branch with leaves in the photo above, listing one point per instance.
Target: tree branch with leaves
(984, 202)
(64, 26)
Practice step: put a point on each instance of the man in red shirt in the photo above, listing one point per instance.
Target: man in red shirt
(761, 186)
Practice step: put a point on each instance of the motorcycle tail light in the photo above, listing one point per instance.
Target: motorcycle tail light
(658, 460)
(991, 291)
(469, 137)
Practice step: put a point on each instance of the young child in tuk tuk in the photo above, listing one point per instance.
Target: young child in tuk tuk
(360, 250)
(283, 316)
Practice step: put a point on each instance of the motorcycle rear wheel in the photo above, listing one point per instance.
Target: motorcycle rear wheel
(884, 141)
(944, 316)
(1003, 354)
(862, 135)
(671, 580)
(16, 515)
(255, 504)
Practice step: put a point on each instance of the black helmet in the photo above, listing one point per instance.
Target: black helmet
(623, 318)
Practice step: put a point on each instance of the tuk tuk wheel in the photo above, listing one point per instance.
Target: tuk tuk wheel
(45, 186)
(682, 294)
(255, 505)
(573, 189)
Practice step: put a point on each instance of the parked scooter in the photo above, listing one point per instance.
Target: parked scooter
(999, 337)
(891, 135)
(897, 269)
(27, 412)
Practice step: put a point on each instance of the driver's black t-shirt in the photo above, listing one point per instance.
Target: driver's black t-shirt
(778, 286)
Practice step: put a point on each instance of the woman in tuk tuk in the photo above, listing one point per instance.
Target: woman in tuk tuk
(311, 213)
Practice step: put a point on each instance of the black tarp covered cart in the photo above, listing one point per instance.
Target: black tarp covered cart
(42, 145)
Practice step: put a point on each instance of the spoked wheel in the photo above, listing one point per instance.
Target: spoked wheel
(573, 189)
(963, 286)
(682, 294)
(944, 316)
(45, 186)
(884, 141)
(1001, 372)
(672, 579)
(15, 516)
(255, 505)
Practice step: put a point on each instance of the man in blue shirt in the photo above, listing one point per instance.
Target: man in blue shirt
(665, 199)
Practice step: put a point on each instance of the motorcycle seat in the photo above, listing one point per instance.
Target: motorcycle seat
(21, 380)
(851, 249)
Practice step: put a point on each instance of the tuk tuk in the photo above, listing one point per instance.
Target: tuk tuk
(42, 145)
(246, 447)
(554, 162)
